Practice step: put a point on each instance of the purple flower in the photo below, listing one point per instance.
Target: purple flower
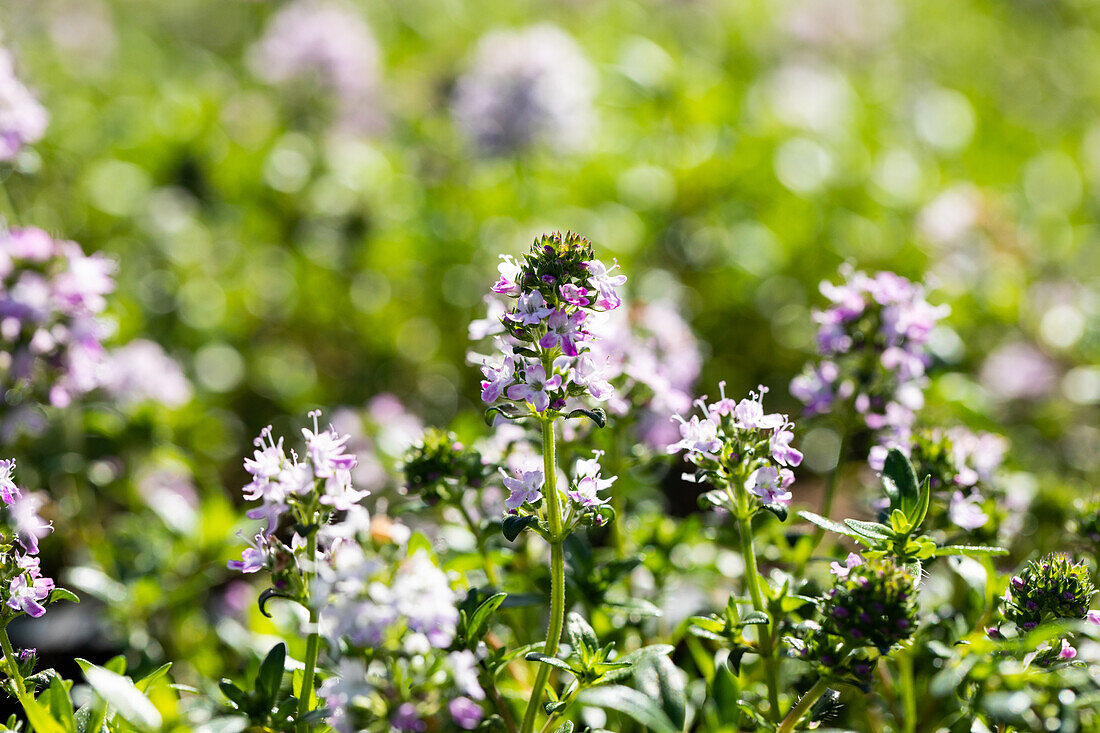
(696, 436)
(29, 526)
(465, 712)
(841, 571)
(26, 590)
(531, 309)
(326, 450)
(22, 119)
(605, 283)
(253, 558)
(496, 379)
(8, 490)
(749, 414)
(535, 387)
(564, 329)
(780, 447)
(1067, 651)
(771, 484)
(526, 489)
(406, 719)
(586, 374)
(508, 283)
(574, 295)
(589, 482)
(1093, 617)
(966, 511)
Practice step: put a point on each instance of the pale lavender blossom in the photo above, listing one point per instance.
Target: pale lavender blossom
(508, 283)
(254, 557)
(27, 591)
(525, 88)
(530, 310)
(464, 671)
(23, 119)
(605, 284)
(497, 378)
(589, 375)
(697, 435)
(770, 484)
(8, 490)
(29, 526)
(965, 511)
(465, 712)
(535, 388)
(565, 330)
(588, 482)
(407, 720)
(1093, 617)
(1067, 651)
(141, 372)
(526, 487)
(326, 43)
(841, 571)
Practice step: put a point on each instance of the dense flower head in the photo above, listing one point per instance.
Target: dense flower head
(542, 330)
(737, 442)
(328, 43)
(22, 585)
(524, 88)
(872, 604)
(23, 119)
(872, 343)
(439, 467)
(1051, 588)
(52, 297)
(309, 487)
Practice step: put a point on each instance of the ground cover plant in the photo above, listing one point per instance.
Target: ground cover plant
(666, 366)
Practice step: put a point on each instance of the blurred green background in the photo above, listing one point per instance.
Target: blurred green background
(737, 153)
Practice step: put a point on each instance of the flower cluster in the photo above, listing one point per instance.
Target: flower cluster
(871, 604)
(543, 337)
(141, 372)
(329, 44)
(524, 88)
(872, 342)
(22, 119)
(1050, 588)
(24, 588)
(402, 616)
(51, 302)
(586, 505)
(309, 488)
(650, 355)
(736, 445)
(439, 467)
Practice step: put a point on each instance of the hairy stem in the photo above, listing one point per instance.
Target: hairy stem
(557, 573)
(803, 707)
(13, 665)
(305, 694)
(763, 632)
(908, 694)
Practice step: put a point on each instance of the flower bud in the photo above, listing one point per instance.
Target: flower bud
(1051, 588)
(874, 605)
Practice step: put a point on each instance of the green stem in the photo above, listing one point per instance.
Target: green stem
(557, 574)
(305, 694)
(763, 632)
(13, 665)
(908, 694)
(803, 707)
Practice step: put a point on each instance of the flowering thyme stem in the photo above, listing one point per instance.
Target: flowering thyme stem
(557, 573)
(305, 694)
(13, 665)
(803, 707)
(752, 580)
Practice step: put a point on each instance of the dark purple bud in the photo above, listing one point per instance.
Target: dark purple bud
(855, 633)
(1028, 626)
(840, 612)
(1017, 582)
(994, 633)
(827, 660)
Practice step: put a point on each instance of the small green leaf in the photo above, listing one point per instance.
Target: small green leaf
(508, 412)
(553, 707)
(481, 615)
(147, 681)
(898, 471)
(552, 661)
(581, 635)
(596, 415)
(270, 677)
(266, 595)
(566, 727)
(832, 526)
(917, 518)
(513, 524)
(659, 679)
(754, 617)
(870, 530)
(60, 706)
(778, 510)
(63, 594)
